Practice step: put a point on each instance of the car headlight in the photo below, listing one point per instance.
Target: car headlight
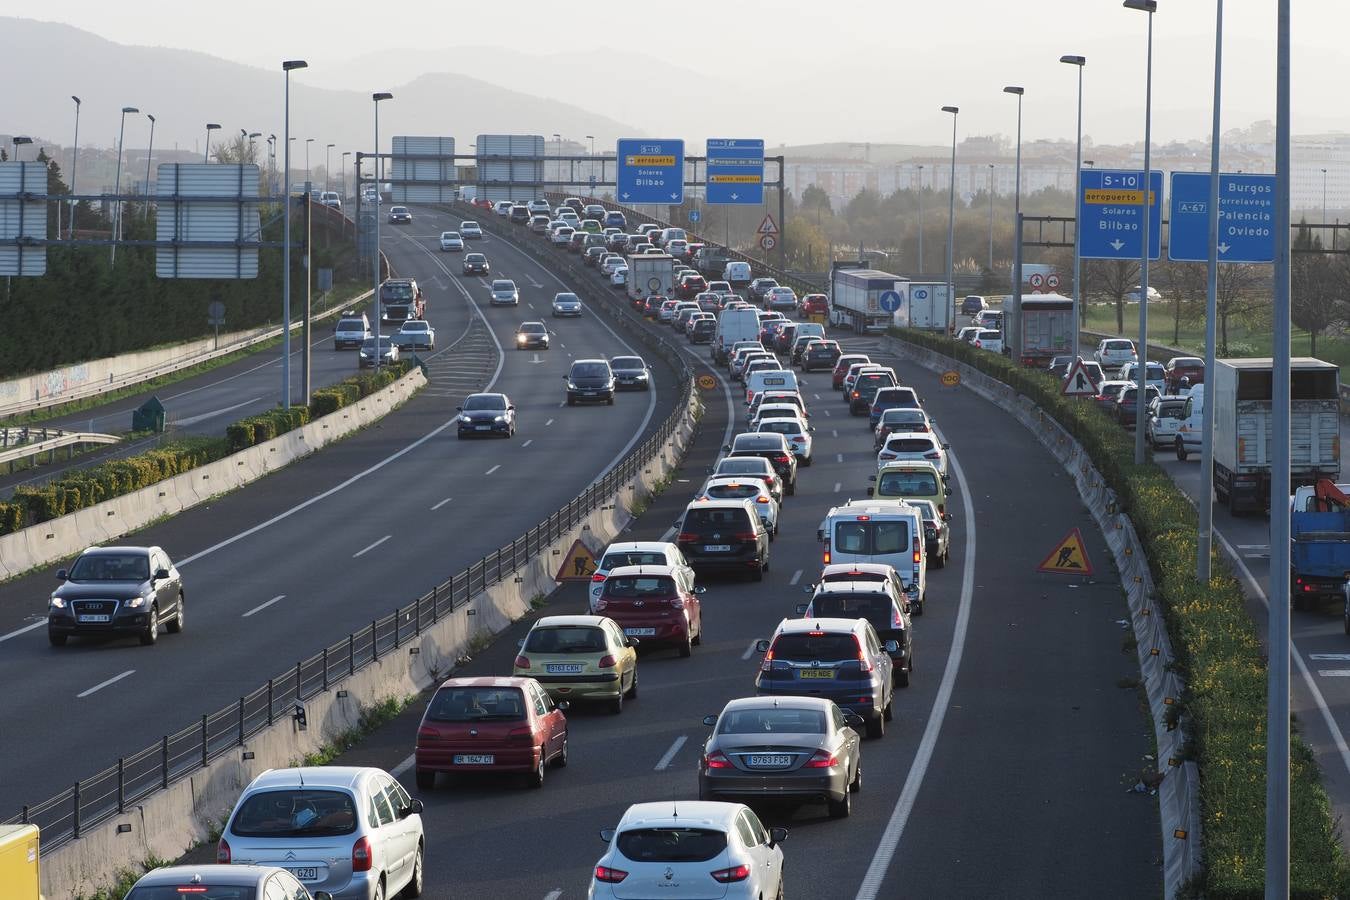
(58, 603)
(571, 386)
(135, 603)
(520, 338)
(499, 418)
(365, 355)
(465, 419)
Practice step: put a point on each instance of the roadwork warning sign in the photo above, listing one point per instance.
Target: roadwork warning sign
(1068, 558)
(577, 565)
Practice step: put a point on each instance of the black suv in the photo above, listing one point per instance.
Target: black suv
(820, 355)
(724, 535)
(773, 447)
(117, 591)
(590, 379)
(878, 603)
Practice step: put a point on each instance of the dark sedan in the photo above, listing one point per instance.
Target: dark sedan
(476, 264)
(631, 373)
(400, 215)
(820, 356)
(486, 414)
(1125, 408)
(783, 748)
(532, 336)
(117, 591)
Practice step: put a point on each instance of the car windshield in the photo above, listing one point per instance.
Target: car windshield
(414, 325)
(874, 607)
(871, 538)
(369, 343)
(733, 491)
(566, 639)
(111, 567)
(351, 325)
(295, 812)
(468, 226)
(617, 559)
(775, 720)
(196, 890)
(909, 445)
(803, 647)
(470, 704)
(903, 484)
(399, 209)
(565, 298)
(668, 845)
(627, 362)
(1172, 410)
(533, 328)
(728, 519)
(902, 417)
(449, 235)
(639, 586)
(782, 426)
(744, 466)
(503, 285)
(590, 370)
(400, 290)
(485, 401)
(925, 508)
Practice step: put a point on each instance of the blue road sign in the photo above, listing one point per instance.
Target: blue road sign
(734, 172)
(650, 171)
(889, 300)
(1110, 224)
(694, 215)
(1246, 218)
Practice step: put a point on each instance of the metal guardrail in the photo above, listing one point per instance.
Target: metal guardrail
(51, 441)
(97, 798)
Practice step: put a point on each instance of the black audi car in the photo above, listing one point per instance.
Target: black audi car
(112, 591)
(532, 336)
(631, 373)
(484, 415)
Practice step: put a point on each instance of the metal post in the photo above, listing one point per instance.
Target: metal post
(1015, 331)
(75, 810)
(328, 167)
(951, 207)
(164, 762)
(204, 742)
(1277, 704)
(1017, 284)
(351, 644)
(149, 154)
(287, 66)
(309, 295)
(991, 219)
(121, 785)
(117, 186)
(325, 668)
(299, 683)
(74, 165)
(920, 272)
(269, 701)
(1141, 454)
(1078, 299)
(1205, 508)
(241, 721)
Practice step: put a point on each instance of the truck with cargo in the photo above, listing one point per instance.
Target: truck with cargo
(1047, 328)
(710, 260)
(19, 862)
(651, 273)
(855, 293)
(1319, 542)
(401, 299)
(1241, 391)
(926, 305)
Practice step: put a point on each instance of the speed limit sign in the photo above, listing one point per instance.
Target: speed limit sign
(768, 242)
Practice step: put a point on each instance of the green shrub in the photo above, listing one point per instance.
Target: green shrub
(42, 503)
(11, 517)
(325, 401)
(1217, 650)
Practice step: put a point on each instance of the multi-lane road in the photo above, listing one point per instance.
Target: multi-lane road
(1007, 771)
(277, 570)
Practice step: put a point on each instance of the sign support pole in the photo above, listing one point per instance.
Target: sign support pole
(782, 220)
(1204, 536)
(309, 293)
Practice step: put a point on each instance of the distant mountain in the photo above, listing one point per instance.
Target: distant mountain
(184, 90)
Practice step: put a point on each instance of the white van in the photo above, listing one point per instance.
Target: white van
(1190, 436)
(879, 531)
(670, 234)
(769, 380)
(737, 273)
(734, 325)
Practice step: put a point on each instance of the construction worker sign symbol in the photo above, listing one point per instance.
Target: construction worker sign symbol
(577, 565)
(1068, 558)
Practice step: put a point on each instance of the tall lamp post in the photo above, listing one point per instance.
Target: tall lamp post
(271, 163)
(920, 272)
(19, 141)
(206, 154)
(117, 185)
(149, 154)
(991, 217)
(557, 139)
(345, 154)
(252, 135)
(328, 167)
(1016, 331)
(591, 161)
(287, 66)
(1079, 62)
(308, 141)
(1145, 202)
(376, 98)
(74, 161)
(1324, 196)
(951, 207)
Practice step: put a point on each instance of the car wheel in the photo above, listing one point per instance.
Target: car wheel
(414, 887)
(792, 487)
(876, 728)
(902, 676)
(633, 688)
(616, 705)
(698, 638)
(151, 632)
(609, 401)
(806, 460)
(888, 712)
(687, 648)
(841, 809)
(1181, 451)
(59, 640)
(758, 574)
(939, 562)
(571, 401)
(855, 785)
(561, 759)
(379, 890)
(426, 780)
(176, 626)
(536, 778)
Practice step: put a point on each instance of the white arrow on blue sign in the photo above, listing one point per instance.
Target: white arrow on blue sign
(650, 170)
(1110, 220)
(1246, 218)
(889, 300)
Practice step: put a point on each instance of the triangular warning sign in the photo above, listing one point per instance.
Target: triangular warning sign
(1079, 382)
(577, 565)
(768, 226)
(1068, 558)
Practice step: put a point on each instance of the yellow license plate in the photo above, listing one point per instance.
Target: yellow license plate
(816, 673)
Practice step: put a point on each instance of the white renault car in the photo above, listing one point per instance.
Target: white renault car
(690, 848)
(636, 553)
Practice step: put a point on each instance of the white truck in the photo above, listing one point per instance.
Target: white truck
(651, 273)
(855, 296)
(1241, 393)
(926, 305)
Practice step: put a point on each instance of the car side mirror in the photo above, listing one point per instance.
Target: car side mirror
(777, 835)
(871, 478)
(870, 491)
(853, 720)
(700, 590)
(459, 409)
(631, 642)
(801, 608)
(761, 646)
(946, 446)
(161, 574)
(947, 491)
(606, 834)
(946, 517)
(414, 806)
(710, 721)
(62, 574)
(891, 646)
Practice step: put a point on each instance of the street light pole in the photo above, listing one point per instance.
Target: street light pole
(920, 272)
(558, 140)
(991, 217)
(1016, 331)
(1079, 62)
(271, 163)
(19, 141)
(74, 161)
(591, 163)
(117, 186)
(328, 167)
(1146, 202)
(206, 154)
(1205, 506)
(251, 136)
(951, 207)
(287, 66)
(308, 141)
(1324, 192)
(345, 154)
(376, 98)
(149, 154)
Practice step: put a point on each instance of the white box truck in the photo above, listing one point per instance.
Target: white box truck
(926, 305)
(855, 293)
(1241, 391)
(651, 273)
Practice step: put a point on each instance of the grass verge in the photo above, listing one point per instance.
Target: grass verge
(372, 717)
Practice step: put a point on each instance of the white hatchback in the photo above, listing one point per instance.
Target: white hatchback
(690, 848)
(636, 553)
(450, 240)
(1113, 353)
(731, 487)
(907, 446)
(797, 432)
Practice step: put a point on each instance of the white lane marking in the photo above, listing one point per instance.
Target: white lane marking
(838, 486)
(24, 630)
(561, 404)
(1334, 673)
(895, 827)
(527, 443)
(827, 412)
(750, 651)
(442, 503)
(817, 396)
(1335, 730)
(371, 547)
(1335, 656)
(202, 417)
(839, 457)
(548, 423)
(261, 606)
(398, 770)
(664, 762)
(553, 894)
(102, 684)
(493, 469)
(834, 432)
(796, 577)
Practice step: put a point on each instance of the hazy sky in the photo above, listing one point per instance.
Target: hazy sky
(860, 70)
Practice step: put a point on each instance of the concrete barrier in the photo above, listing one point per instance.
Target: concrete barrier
(170, 821)
(59, 538)
(1179, 779)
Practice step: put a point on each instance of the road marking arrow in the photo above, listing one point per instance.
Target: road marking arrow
(1223, 248)
(1117, 244)
(536, 359)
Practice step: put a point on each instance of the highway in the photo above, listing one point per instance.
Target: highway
(278, 570)
(1005, 773)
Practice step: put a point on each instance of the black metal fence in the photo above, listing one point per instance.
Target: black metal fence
(99, 797)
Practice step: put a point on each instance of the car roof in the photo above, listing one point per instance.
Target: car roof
(672, 813)
(818, 623)
(901, 465)
(785, 702)
(639, 546)
(559, 621)
(652, 569)
(486, 681)
(859, 567)
(313, 776)
(853, 587)
(720, 503)
(223, 875)
(875, 507)
(119, 549)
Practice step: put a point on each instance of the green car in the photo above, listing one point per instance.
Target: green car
(580, 658)
(592, 226)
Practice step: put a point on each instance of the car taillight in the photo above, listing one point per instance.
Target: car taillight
(863, 662)
(524, 734)
(717, 760)
(601, 603)
(607, 661)
(686, 537)
(856, 395)
(522, 661)
(896, 621)
(735, 873)
(427, 733)
(917, 552)
(933, 454)
(978, 344)
(827, 553)
(887, 455)
(361, 859)
(781, 458)
(677, 602)
(597, 578)
(821, 759)
(744, 536)
(767, 663)
(223, 852)
(761, 499)
(609, 875)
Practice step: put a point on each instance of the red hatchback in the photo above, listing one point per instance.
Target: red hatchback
(843, 364)
(814, 305)
(490, 724)
(655, 604)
